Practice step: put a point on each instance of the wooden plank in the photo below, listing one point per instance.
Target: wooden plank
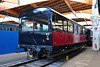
(25, 8)
(89, 2)
(55, 3)
(22, 7)
(41, 3)
(66, 7)
(77, 9)
(47, 3)
(7, 13)
(84, 8)
(60, 5)
(63, 5)
(12, 12)
(88, 11)
(34, 5)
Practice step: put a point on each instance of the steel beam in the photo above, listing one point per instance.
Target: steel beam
(70, 7)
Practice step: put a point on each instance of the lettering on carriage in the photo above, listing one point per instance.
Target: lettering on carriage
(54, 42)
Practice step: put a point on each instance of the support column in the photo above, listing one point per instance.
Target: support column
(96, 25)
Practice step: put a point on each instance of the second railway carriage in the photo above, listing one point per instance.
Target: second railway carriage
(8, 27)
(89, 35)
(8, 38)
(43, 30)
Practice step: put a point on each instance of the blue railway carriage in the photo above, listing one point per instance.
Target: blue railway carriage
(8, 38)
(8, 27)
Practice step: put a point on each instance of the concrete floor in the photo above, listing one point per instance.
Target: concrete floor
(88, 58)
(7, 58)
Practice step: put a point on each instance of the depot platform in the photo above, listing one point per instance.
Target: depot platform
(8, 58)
(88, 58)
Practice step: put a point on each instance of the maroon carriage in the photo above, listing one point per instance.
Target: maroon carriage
(45, 31)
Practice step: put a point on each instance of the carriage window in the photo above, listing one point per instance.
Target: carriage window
(75, 29)
(1, 28)
(27, 25)
(70, 27)
(57, 23)
(84, 30)
(80, 30)
(41, 22)
(40, 27)
(58, 26)
(65, 26)
(10, 29)
(7, 28)
(14, 29)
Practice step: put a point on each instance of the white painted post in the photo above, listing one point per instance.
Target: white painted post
(96, 25)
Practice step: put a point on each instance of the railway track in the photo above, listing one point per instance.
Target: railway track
(18, 63)
(47, 61)
(40, 63)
